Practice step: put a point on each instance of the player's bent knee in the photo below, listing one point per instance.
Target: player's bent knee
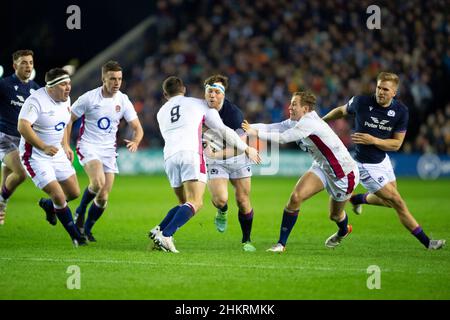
(220, 202)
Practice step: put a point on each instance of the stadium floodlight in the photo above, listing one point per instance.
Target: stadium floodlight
(33, 74)
(1, 71)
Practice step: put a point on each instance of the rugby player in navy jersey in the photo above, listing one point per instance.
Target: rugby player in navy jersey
(224, 165)
(14, 90)
(381, 122)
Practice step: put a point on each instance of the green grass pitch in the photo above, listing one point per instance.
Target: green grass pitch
(34, 256)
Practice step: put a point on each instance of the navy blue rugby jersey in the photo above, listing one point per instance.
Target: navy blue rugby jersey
(232, 116)
(13, 94)
(377, 121)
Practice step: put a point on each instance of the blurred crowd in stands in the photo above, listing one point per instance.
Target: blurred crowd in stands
(270, 49)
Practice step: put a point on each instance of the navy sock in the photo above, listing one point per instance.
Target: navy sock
(168, 217)
(48, 205)
(5, 193)
(95, 212)
(246, 221)
(359, 198)
(65, 217)
(288, 222)
(343, 226)
(183, 214)
(224, 209)
(87, 197)
(421, 236)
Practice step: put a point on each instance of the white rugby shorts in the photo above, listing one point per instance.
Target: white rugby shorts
(185, 166)
(107, 156)
(375, 176)
(233, 168)
(339, 189)
(45, 170)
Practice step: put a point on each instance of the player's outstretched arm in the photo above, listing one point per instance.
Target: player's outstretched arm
(133, 144)
(336, 113)
(27, 132)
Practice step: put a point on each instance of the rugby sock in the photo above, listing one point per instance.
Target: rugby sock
(421, 236)
(95, 212)
(65, 217)
(168, 217)
(183, 214)
(224, 209)
(343, 226)
(48, 205)
(5, 194)
(359, 198)
(88, 196)
(288, 222)
(246, 221)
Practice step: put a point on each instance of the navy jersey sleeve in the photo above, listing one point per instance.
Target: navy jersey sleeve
(233, 116)
(353, 104)
(402, 124)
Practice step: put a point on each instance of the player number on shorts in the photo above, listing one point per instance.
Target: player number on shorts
(175, 113)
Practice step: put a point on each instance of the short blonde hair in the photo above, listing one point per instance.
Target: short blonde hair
(307, 99)
(389, 76)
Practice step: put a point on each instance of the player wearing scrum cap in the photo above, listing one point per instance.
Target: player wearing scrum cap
(225, 165)
(44, 146)
(14, 90)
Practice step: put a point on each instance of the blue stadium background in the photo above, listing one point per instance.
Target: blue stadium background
(269, 49)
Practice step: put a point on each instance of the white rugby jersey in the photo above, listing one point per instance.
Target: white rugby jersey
(181, 120)
(315, 136)
(48, 118)
(100, 116)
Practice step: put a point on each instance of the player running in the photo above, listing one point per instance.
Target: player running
(181, 121)
(223, 165)
(101, 110)
(14, 90)
(333, 168)
(44, 147)
(381, 122)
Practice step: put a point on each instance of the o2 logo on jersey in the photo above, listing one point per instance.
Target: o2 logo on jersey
(104, 123)
(60, 126)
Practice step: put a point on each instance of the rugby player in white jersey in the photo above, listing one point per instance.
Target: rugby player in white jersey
(44, 149)
(333, 168)
(181, 121)
(101, 110)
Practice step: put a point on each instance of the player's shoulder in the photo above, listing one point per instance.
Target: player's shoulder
(364, 99)
(36, 97)
(227, 104)
(34, 85)
(91, 94)
(399, 105)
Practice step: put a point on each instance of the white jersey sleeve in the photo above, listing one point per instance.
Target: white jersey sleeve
(129, 112)
(301, 130)
(213, 121)
(80, 105)
(279, 127)
(30, 110)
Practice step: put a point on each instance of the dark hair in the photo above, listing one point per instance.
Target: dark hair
(307, 99)
(111, 66)
(55, 73)
(173, 86)
(215, 79)
(21, 53)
